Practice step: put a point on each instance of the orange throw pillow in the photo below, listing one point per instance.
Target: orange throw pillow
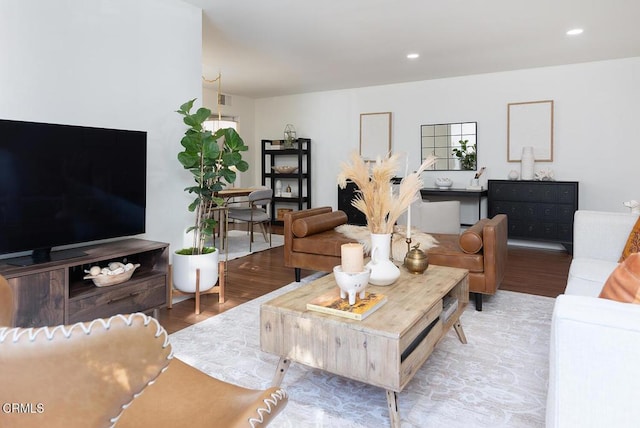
(633, 242)
(623, 284)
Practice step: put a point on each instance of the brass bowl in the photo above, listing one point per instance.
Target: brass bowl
(416, 260)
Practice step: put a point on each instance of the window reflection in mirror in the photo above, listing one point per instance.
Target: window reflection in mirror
(444, 141)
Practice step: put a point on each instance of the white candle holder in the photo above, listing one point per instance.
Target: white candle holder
(351, 283)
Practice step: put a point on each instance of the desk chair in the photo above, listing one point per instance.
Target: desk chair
(256, 212)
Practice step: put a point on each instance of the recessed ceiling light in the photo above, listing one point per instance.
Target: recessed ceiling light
(575, 32)
(413, 55)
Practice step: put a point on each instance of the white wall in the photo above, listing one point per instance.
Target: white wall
(595, 142)
(125, 64)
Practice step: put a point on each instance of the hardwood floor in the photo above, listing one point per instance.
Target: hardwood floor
(530, 270)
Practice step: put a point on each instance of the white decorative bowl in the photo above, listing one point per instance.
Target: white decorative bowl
(444, 182)
(285, 169)
(351, 283)
(107, 280)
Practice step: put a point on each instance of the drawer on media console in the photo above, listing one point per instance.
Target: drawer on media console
(119, 299)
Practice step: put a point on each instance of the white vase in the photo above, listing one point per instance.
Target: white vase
(184, 271)
(383, 270)
(527, 163)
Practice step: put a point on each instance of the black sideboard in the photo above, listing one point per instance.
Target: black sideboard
(345, 196)
(536, 210)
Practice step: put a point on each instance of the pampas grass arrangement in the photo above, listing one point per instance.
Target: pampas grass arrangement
(375, 197)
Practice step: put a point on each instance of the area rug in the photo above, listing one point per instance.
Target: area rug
(238, 242)
(498, 379)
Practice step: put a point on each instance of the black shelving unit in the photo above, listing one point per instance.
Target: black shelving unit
(275, 154)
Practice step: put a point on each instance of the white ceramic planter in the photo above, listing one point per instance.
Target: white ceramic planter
(184, 271)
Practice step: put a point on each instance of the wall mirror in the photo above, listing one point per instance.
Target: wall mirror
(446, 141)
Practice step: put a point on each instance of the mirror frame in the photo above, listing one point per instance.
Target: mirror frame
(443, 141)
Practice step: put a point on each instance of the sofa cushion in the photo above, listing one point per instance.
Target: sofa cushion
(624, 283)
(448, 253)
(470, 240)
(633, 242)
(303, 227)
(587, 276)
(327, 243)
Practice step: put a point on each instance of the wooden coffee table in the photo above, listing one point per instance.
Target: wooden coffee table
(386, 349)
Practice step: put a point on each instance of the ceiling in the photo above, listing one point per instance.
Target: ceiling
(278, 47)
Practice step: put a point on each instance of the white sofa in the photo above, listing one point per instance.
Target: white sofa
(594, 364)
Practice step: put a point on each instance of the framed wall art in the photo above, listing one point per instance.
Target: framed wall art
(375, 135)
(530, 124)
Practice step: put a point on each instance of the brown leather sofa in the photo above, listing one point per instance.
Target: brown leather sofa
(118, 372)
(310, 242)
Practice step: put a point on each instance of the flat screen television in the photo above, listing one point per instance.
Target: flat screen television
(62, 185)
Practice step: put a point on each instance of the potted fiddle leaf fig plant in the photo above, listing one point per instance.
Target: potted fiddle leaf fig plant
(466, 154)
(212, 159)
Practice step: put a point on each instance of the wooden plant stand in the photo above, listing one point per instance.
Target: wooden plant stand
(222, 273)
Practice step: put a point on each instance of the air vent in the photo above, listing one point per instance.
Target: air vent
(224, 100)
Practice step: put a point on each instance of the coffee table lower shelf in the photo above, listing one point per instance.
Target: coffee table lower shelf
(386, 349)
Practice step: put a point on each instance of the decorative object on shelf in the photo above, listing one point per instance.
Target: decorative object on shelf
(114, 273)
(416, 260)
(285, 169)
(290, 136)
(474, 184)
(443, 182)
(545, 174)
(278, 188)
(513, 175)
(466, 154)
(527, 162)
(351, 283)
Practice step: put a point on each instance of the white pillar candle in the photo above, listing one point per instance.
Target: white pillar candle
(352, 257)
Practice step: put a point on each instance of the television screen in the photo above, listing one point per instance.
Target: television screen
(63, 184)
